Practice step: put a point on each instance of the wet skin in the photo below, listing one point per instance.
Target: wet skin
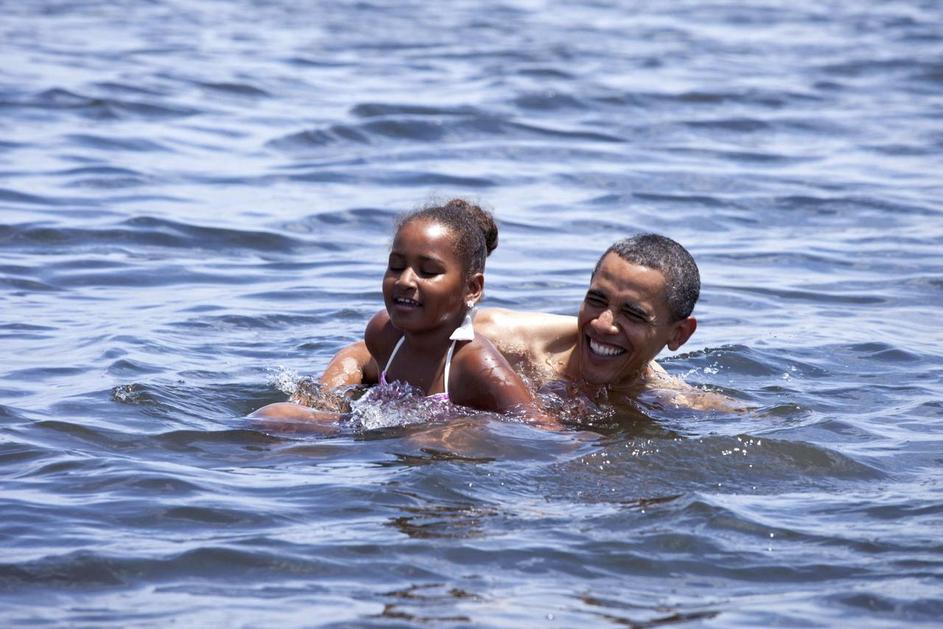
(606, 352)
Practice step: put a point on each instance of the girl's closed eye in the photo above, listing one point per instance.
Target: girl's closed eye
(396, 263)
(430, 270)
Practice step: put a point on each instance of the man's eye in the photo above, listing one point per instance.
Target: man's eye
(429, 272)
(595, 300)
(635, 317)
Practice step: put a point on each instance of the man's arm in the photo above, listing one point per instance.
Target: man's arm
(675, 391)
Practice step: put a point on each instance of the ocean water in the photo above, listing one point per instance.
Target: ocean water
(195, 204)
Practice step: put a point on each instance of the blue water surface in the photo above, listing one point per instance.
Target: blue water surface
(195, 204)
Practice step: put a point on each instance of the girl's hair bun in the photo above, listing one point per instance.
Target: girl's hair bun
(476, 233)
(483, 218)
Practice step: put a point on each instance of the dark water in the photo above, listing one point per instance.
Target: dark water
(195, 200)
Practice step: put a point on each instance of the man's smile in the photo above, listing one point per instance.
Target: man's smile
(603, 350)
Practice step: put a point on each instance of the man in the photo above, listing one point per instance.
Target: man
(640, 299)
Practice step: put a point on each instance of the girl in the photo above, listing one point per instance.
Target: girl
(434, 277)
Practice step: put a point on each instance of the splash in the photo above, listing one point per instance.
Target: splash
(284, 379)
(396, 404)
(565, 401)
(132, 393)
(307, 391)
(382, 406)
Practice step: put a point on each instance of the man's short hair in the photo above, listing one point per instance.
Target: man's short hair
(682, 279)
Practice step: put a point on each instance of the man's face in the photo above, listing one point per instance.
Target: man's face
(624, 322)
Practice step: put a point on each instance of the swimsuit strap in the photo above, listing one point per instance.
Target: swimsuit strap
(389, 360)
(448, 363)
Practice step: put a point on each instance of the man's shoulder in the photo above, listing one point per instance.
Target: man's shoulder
(540, 328)
(535, 343)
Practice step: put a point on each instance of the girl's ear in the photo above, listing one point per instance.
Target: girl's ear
(474, 288)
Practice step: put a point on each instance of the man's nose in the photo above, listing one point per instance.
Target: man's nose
(605, 322)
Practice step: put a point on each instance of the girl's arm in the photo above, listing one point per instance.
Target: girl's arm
(351, 365)
(379, 339)
(289, 417)
(355, 364)
(484, 380)
(343, 369)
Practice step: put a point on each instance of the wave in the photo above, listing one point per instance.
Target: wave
(99, 107)
(86, 569)
(727, 464)
(382, 128)
(145, 231)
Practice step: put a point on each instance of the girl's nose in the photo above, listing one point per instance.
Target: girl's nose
(407, 277)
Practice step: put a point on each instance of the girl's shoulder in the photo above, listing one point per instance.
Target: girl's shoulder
(482, 378)
(381, 336)
(478, 351)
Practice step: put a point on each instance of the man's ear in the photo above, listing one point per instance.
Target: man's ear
(681, 332)
(474, 288)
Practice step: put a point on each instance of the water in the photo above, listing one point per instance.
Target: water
(195, 201)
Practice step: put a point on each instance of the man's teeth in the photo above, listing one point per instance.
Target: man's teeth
(405, 301)
(603, 349)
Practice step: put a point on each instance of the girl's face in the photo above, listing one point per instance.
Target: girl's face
(424, 287)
